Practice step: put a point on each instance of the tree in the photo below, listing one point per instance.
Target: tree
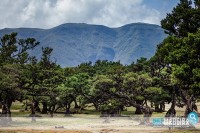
(160, 71)
(51, 78)
(107, 67)
(65, 98)
(9, 89)
(12, 50)
(183, 56)
(141, 66)
(85, 68)
(179, 55)
(79, 85)
(134, 87)
(41, 78)
(13, 55)
(183, 19)
(103, 96)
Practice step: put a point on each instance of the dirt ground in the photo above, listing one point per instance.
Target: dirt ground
(88, 124)
(41, 131)
(100, 131)
(82, 125)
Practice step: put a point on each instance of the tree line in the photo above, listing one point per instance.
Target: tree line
(172, 75)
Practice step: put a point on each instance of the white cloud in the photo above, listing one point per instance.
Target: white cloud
(50, 13)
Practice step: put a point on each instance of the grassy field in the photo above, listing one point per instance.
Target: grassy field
(18, 110)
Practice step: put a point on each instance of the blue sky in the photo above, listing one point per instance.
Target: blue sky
(162, 5)
(112, 13)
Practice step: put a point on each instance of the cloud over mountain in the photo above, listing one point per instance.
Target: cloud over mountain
(49, 13)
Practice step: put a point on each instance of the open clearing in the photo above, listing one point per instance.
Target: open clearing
(85, 123)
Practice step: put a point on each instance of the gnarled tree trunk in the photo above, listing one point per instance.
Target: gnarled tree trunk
(6, 113)
(190, 106)
(44, 108)
(172, 112)
(36, 106)
(33, 112)
(67, 107)
(76, 104)
(138, 108)
(52, 110)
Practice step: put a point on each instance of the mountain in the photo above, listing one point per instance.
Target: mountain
(77, 43)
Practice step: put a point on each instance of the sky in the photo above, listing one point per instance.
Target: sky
(112, 13)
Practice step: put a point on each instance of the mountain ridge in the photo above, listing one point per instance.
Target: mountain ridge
(75, 43)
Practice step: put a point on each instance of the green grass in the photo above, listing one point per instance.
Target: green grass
(20, 114)
(17, 106)
(17, 109)
(129, 111)
(90, 112)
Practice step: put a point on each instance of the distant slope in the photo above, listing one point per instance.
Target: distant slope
(77, 43)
